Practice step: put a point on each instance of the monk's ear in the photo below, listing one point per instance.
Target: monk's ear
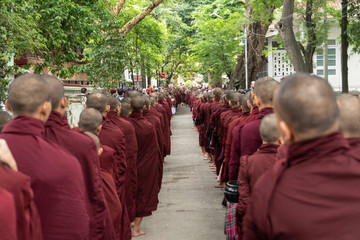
(118, 109)
(100, 151)
(107, 109)
(130, 107)
(86, 107)
(44, 111)
(286, 132)
(98, 130)
(248, 104)
(339, 104)
(63, 103)
(7, 105)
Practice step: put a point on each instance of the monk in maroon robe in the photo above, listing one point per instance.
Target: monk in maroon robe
(84, 149)
(253, 166)
(90, 125)
(26, 223)
(167, 131)
(131, 153)
(313, 194)
(56, 176)
(111, 136)
(155, 121)
(250, 137)
(147, 164)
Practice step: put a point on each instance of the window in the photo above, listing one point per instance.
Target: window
(320, 72)
(331, 58)
(332, 71)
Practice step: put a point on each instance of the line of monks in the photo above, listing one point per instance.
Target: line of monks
(298, 168)
(96, 181)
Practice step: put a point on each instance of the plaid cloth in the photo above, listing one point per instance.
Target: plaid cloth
(230, 222)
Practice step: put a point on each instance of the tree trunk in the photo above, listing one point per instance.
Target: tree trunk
(344, 46)
(255, 45)
(143, 73)
(285, 28)
(129, 25)
(119, 5)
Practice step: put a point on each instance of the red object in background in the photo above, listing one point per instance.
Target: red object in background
(162, 75)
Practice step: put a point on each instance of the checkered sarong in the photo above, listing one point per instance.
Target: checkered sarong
(230, 222)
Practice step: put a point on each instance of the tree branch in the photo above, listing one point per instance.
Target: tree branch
(119, 5)
(128, 26)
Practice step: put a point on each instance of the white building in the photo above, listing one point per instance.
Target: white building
(279, 64)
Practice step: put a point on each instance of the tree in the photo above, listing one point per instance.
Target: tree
(344, 46)
(257, 26)
(301, 49)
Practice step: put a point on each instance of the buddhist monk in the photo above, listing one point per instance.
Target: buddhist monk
(90, 123)
(314, 191)
(131, 153)
(253, 166)
(111, 136)
(56, 176)
(125, 110)
(84, 150)
(5, 117)
(147, 164)
(26, 221)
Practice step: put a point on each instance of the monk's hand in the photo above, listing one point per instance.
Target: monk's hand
(6, 156)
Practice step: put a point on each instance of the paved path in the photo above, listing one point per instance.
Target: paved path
(190, 207)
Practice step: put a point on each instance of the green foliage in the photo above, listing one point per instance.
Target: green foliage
(354, 25)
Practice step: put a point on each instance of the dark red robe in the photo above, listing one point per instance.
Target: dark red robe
(7, 216)
(108, 183)
(147, 165)
(155, 121)
(56, 179)
(84, 149)
(28, 226)
(111, 136)
(167, 130)
(250, 134)
(131, 149)
(251, 168)
(313, 194)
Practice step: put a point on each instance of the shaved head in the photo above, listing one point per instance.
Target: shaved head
(98, 101)
(56, 88)
(137, 104)
(235, 99)
(5, 117)
(349, 106)
(126, 99)
(244, 101)
(152, 101)
(113, 103)
(268, 129)
(133, 94)
(125, 109)
(307, 104)
(217, 92)
(27, 93)
(161, 96)
(265, 90)
(147, 101)
(90, 120)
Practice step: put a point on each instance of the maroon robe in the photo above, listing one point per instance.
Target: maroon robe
(111, 136)
(251, 168)
(56, 179)
(7, 216)
(84, 149)
(313, 194)
(131, 149)
(235, 151)
(147, 165)
(155, 121)
(154, 112)
(108, 183)
(250, 134)
(167, 130)
(166, 106)
(28, 226)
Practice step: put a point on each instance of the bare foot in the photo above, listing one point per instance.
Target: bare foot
(132, 224)
(136, 234)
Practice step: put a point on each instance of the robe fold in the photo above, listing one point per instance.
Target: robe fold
(147, 165)
(167, 130)
(28, 225)
(113, 202)
(251, 168)
(7, 216)
(56, 179)
(313, 194)
(131, 149)
(111, 136)
(84, 149)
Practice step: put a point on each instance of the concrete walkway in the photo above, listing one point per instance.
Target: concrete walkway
(190, 207)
